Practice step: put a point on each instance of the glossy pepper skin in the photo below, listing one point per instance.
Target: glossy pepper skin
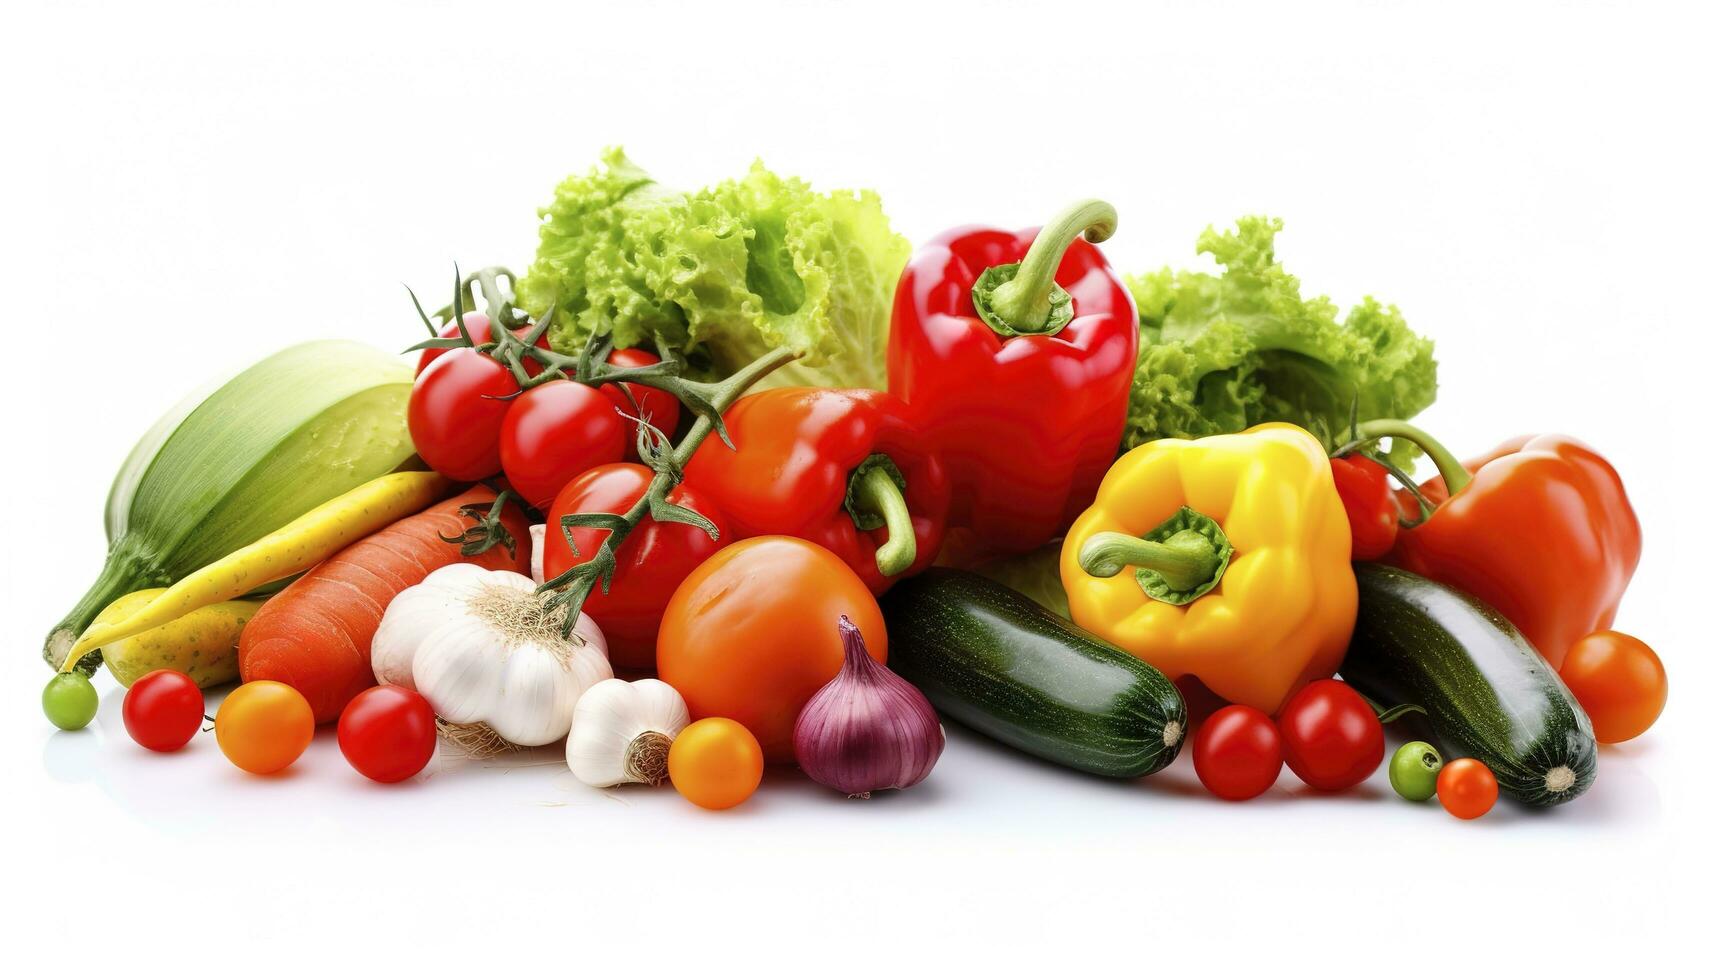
(1277, 615)
(1371, 509)
(802, 460)
(1542, 531)
(1026, 423)
(650, 564)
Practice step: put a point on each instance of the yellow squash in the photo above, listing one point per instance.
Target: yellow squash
(1237, 562)
(294, 548)
(202, 643)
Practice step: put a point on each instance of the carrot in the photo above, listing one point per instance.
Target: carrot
(315, 635)
(317, 534)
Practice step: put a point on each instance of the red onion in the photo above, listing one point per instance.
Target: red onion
(867, 729)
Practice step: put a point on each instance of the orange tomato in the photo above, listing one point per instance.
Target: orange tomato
(715, 763)
(1620, 682)
(753, 632)
(264, 726)
(1467, 788)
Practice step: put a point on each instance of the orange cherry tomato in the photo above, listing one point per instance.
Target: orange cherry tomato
(264, 726)
(1620, 682)
(1467, 788)
(715, 763)
(753, 632)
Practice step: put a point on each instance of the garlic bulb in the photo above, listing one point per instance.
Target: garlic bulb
(621, 732)
(483, 648)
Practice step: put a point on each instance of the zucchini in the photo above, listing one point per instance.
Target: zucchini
(992, 659)
(1486, 691)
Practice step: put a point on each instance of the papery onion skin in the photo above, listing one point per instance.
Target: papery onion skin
(868, 729)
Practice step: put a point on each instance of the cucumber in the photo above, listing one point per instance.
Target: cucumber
(1487, 692)
(994, 660)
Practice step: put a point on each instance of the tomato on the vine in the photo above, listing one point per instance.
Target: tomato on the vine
(651, 563)
(456, 412)
(387, 733)
(1371, 508)
(162, 710)
(1237, 753)
(554, 432)
(477, 325)
(655, 406)
(1331, 736)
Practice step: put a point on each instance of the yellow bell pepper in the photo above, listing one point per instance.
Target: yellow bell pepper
(1237, 562)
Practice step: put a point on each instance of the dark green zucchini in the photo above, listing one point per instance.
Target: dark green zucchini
(1488, 693)
(1003, 665)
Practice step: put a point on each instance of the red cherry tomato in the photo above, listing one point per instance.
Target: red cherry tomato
(163, 709)
(457, 408)
(1237, 753)
(1331, 737)
(387, 733)
(1467, 788)
(1370, 506)
(652, 562)
(477, 325)
(659, 408)
(554, 432)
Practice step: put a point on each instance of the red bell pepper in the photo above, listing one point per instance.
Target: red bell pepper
(1540, 529)
(650, 563)
(1370, 506)
(1017, 350)
(844, 468)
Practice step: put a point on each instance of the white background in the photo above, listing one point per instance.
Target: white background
(189, 189)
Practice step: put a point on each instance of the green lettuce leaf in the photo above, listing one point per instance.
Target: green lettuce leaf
(723, 274)
(1220, 353)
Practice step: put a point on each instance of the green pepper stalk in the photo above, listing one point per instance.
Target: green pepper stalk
(1178, 562)
(1022, 297)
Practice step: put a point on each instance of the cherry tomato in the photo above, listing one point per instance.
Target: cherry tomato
(163, 709)
(264, 726)
(387, 733)
(653, 560)
(753, 632)
(1331, 737)
(1370, 506)
(1237, 753)
(70, 701)
(1620, 682)
(715, 763)
(1467, 788)
(456, 412)
(477, 325)
(1413, 771)
(657, 407)
(555, 431)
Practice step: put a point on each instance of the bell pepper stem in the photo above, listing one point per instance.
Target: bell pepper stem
(1024, 301)
(1453, 473)
(1185, 560)
(876, 492)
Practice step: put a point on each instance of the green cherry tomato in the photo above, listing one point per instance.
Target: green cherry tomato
(69, 701)
(1413, 771)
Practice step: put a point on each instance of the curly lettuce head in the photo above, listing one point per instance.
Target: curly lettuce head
(723, 274)
(1220, 353)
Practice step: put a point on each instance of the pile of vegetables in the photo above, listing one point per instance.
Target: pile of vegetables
(807, 494)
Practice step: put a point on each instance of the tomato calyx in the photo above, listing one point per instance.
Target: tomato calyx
(514, 344)
(488, 529)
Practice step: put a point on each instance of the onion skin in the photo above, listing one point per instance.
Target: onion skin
(868, 729)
